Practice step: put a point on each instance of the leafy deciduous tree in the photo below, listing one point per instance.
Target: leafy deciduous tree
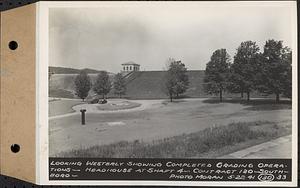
(177, 80)
(244, 68)
(217, 72)
(82, 85)
(119, 85)
(287, 91)
(102, 86)
(275, 69)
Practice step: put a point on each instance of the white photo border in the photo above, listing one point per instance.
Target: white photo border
(42, 153)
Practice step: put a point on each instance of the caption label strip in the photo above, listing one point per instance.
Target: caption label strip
(170, 169)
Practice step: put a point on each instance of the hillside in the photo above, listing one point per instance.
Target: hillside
(62, 85)
(140, 85)
(150, 84)
(64, 70)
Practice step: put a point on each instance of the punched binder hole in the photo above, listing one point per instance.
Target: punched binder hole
(15, 148)
(13, 45)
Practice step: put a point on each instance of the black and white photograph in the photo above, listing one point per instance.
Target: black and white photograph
(204, 80)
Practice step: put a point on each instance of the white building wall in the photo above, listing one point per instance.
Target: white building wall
(129, 68)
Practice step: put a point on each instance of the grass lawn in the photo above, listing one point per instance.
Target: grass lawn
(61, 93)
(210, 142)
(60, 107)
(162, 124)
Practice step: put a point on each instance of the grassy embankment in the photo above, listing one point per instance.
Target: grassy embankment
(211, 142)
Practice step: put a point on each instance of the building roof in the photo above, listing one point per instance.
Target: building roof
(131, 63)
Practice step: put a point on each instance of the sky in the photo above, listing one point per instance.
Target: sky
(103, 38)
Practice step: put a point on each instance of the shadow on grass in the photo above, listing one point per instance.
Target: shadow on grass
(167, 102)
(255, 104)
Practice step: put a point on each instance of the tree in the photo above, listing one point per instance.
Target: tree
(119, 85)
(82, 85)
(287, 91)
(242, 71)
(102, 85)
(217, 72)
(177, 80)
(275, 69)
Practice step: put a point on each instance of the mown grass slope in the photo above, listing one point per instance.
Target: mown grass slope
(140, 85)
(151, 85)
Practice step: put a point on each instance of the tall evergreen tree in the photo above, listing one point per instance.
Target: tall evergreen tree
(217, 72)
